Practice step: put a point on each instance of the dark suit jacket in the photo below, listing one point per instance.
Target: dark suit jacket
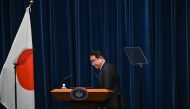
(108, 79)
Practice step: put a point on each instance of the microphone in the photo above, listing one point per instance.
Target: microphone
(65, 78)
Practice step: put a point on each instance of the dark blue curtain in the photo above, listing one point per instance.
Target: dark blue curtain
(65, 31)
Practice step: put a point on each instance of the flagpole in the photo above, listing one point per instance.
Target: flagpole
(15, 65)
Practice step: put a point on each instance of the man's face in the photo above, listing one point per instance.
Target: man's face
(96, 62)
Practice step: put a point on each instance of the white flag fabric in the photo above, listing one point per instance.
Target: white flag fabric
(21, 54)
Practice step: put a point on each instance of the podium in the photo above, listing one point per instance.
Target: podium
(94, 96)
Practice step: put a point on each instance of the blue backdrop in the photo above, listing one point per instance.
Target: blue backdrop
(65, 31)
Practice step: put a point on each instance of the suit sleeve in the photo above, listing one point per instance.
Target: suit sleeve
(108, 77)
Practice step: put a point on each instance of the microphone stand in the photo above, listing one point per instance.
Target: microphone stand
(15, 66)
(140, 75)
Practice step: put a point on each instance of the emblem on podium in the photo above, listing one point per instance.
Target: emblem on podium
(79, 93)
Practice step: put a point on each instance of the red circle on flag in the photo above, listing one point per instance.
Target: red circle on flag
(25, 69)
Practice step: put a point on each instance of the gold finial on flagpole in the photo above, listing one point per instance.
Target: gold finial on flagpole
(31, 3)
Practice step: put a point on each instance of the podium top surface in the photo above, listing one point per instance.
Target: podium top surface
(93, 94)
(88, 90)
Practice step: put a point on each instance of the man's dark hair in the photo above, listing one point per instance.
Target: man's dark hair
(96, 53)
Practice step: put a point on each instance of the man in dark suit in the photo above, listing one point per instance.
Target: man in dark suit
(108, 78)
